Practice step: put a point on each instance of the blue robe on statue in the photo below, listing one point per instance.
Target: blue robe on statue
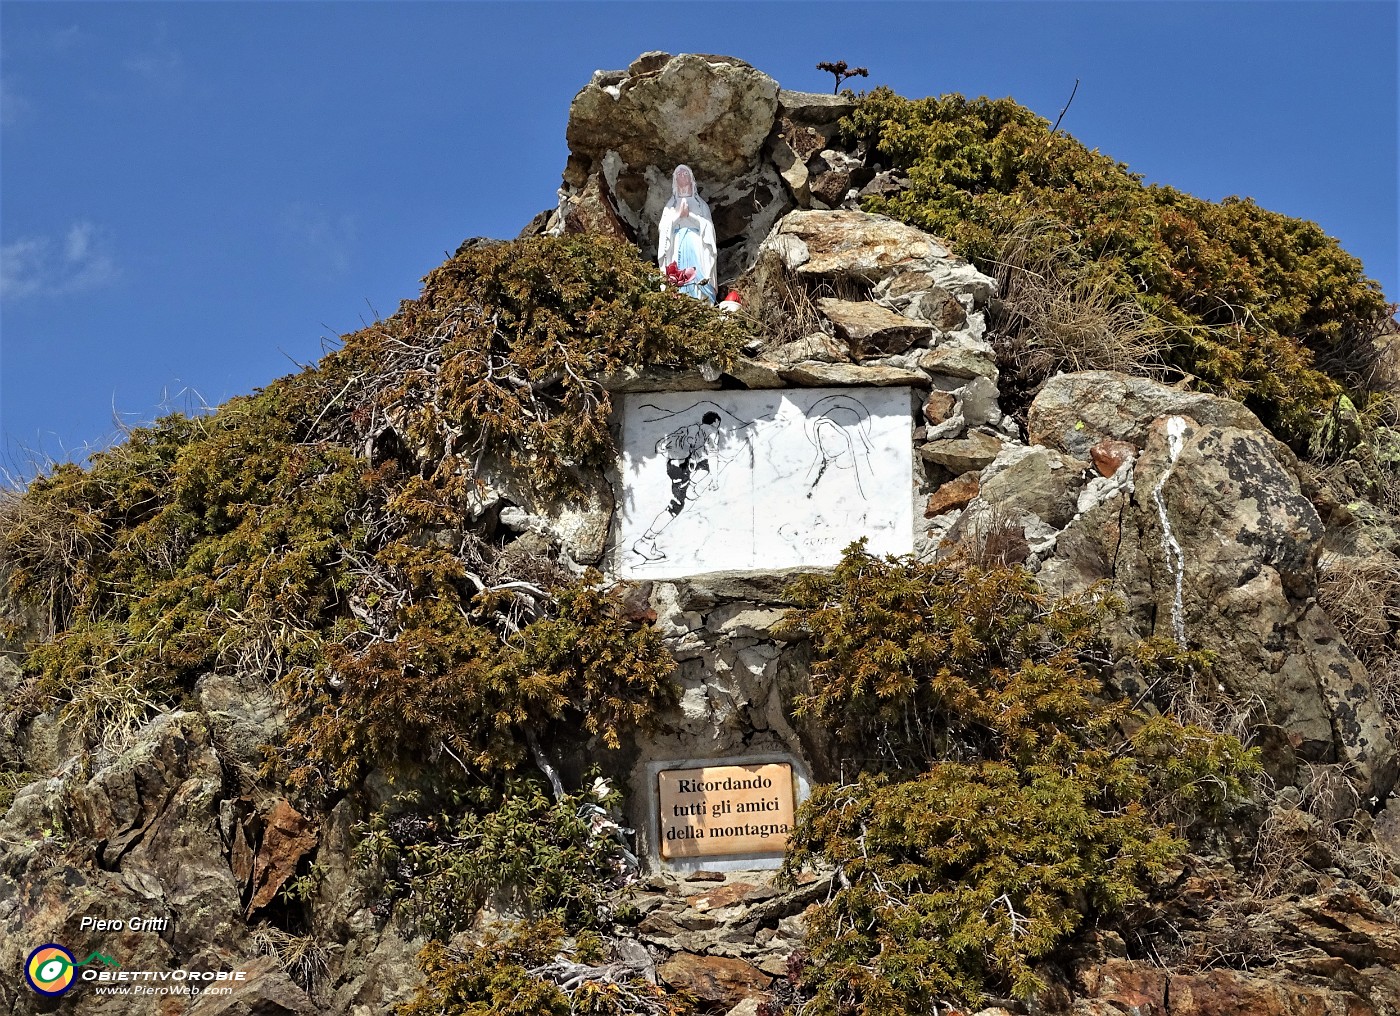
(690, 253)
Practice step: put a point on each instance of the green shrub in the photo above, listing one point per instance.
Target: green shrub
(518, 850)
(1263, 305)
(530, 973)
(491, 979)
(320, 532)
(1005, 798)
(449, 681)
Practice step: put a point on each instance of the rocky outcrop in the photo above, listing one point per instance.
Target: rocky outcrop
(728, 940)
(139, 838)
(1242, 583)
(629, 129)
(758, 152)
(1180, 503)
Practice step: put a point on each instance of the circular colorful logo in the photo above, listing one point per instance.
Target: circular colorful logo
(49, 969)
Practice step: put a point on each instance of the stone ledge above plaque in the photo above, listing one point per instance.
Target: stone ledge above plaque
(724, 814)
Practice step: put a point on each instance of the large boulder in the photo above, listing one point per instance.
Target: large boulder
(713, 113)
(1218, 549)
(1074, 412)
(629, 129)
(847, 245)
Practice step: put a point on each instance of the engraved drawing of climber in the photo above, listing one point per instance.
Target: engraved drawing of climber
(696, 454)
(838, 428)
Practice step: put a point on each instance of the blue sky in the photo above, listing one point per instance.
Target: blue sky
(194, 195)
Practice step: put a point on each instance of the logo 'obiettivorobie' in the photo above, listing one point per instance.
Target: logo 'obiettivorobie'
(50, 968)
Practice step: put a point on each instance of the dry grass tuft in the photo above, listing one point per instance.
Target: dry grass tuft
(782, 305)
(1362, 596)
(303, 958)
(1060, 313)
(107, 710)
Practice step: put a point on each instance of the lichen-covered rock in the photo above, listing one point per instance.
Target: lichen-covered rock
(871, 329)
(1248, 542)
(628, 130)
(976, 451)
(138, 838)
(816, 374)
(712, 113)
(1034, 479)
(851, 245)
(1074, 412)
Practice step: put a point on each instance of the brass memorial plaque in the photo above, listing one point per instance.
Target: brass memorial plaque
(744, 809)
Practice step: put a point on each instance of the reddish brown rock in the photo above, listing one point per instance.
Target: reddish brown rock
(1111, 453)
(955, 494)
(592, 211)
(938, 407)
(723, 896)
(831, 187)
(1133, 986)
(714, 979)
(288, 837)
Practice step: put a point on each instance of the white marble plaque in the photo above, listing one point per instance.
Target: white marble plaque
(749, 480)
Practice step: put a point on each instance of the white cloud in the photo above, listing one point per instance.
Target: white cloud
(79, 261)
(13, 106)
(160, 63)
(64, 39)
(327, 241)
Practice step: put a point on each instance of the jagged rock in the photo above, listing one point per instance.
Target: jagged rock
(830, 187)
(658, 379)
(714, 979)
(953, 496)
(581, 520)
(1386, 827)
(1146, 989)
(628, 130)
(886, 184)
(244, 714)
(844, 374)
(818, 346)
(150, 814)
(746, 620)
(978, 403)
(591, 210)
(1074, 412)
(723, 896)
(1034, 479)
(972, 361)
(939, 406)
(1249, 541)
(711, 113)
(287, 836)
(791, 166)
(814, 107)
(757, 373)
(976, 451)
(917, 294)
(871, 329)
(1110, 454)
(850, 245)
(267, 992)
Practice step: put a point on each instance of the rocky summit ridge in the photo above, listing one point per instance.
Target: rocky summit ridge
(1260, 569)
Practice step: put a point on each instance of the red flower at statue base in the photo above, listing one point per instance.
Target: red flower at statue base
(678, 276)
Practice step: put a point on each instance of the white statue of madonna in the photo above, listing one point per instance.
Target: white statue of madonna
(688, 236)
